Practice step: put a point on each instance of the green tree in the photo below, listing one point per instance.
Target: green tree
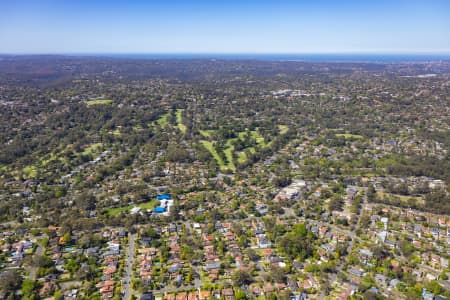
(72, 266)
(28, 286)
(299, 242)
(10, 281)
(241, 277)
(240, 295)
(58, 295)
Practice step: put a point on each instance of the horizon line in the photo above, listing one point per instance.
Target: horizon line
(228, 53)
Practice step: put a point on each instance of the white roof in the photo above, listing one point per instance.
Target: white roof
(135, 210)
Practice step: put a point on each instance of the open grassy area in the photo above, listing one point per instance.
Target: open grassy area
(52, 157)
(180, 125)
(116, 132)
(56, 157)
(349, 135)
(242, 134)
(402, 198)
(207, 133)
(46, 161)
(118, 210)
(30, 172)
(100, 102)
(137, 127)
(42, 162)
(283, 129)
(229, 150)
(229, 154)
(92, 149)
(210, 147)
(259, 139)
(241, 157)
(255, 135)
(60, 154)
(162, 120)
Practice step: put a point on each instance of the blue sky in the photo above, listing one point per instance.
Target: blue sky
(320, 26)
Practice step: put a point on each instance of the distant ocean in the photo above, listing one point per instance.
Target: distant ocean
(382, 58)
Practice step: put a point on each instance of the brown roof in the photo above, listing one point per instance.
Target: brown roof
(227, 292)
(204, 295)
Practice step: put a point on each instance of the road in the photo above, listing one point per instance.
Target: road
(33, 270)
(196, 286)
(129, 267)
(197, 282)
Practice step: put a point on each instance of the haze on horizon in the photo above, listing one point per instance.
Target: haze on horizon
(323, 26)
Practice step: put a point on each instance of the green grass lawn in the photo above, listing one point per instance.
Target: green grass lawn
(402, 198)
(100, 102)
(41, 163)
(210, 147)
(255, 135)
(349, 135)
(180, 125)
(30, 171)
(59, 156)
(51, 158)
(162, 120)
(241, 157)
(283, 129)
(242, 134)
(229, 150)
(229, 154)
(259, 139)
(207, 133)
(370, 174)
(144, 206)
(116, 132)
(92, 149)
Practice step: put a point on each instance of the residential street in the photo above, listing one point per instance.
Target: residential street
(128, 267)
(33, 270)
